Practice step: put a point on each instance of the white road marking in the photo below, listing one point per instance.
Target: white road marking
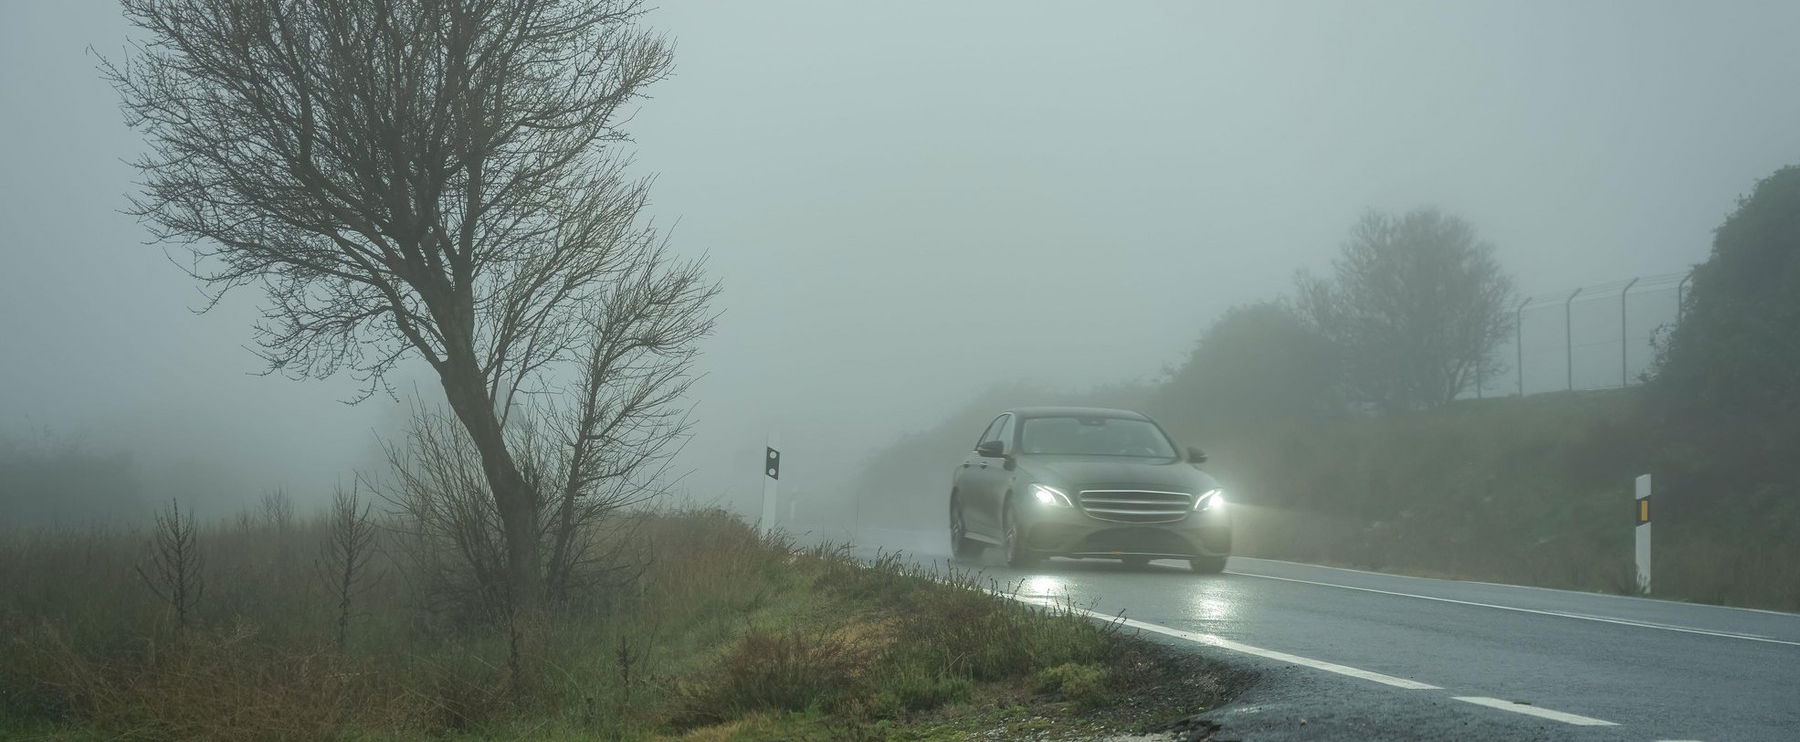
(1211, 640)
(1511, 586)
(1581, 616)
(1542, 713)
(1060, 602)
(1222, 643)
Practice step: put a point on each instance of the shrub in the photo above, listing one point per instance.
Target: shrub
(789, 671)
(920, 686)
(1086, 684)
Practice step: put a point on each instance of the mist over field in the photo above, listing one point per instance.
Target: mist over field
(908, 205)
(592, 370)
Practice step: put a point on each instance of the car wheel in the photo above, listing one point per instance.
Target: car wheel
(1016, 553)
(961, 546)
(1136, 562)
(1207, 565)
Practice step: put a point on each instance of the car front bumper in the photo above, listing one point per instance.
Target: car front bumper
(1069, 531)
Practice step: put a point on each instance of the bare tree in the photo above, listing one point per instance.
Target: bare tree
(175, 563)
(600, 445)
(277, 510)
(1414, 308)
(345, 554)
(405, 178)
(448, 524)
(626, 420)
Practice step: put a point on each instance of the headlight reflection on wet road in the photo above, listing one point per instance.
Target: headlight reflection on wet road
(1043, 586)
(1211, 607)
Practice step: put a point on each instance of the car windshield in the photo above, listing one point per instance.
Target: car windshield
(1094, 436)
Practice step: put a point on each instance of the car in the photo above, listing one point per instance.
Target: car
(1087, 482)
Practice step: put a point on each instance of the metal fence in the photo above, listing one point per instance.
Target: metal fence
(1593, 337)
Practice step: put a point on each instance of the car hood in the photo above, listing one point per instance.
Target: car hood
(1088, 472)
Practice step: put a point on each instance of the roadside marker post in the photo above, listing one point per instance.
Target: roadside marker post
(771, 478)
(1643, 533)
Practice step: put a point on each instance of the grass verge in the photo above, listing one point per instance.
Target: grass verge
(720, 634)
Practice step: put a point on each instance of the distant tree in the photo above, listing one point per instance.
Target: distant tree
(430, 180)
(1735, 352)
(1257, 363)
(172, 568)
(1414, 308)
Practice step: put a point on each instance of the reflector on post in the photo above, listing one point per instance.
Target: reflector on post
(1643, 534)
(771, 475)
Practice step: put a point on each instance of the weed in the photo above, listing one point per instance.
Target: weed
(1085, 684)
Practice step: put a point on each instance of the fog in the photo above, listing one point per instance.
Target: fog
(908, 203)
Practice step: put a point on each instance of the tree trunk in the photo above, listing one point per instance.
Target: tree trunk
(517, 505)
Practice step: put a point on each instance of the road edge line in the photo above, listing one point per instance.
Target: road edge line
(1542, 713)
(1227, 644)
(1540, 612)
(1541, 588)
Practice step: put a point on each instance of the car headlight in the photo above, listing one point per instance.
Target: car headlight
(1210, 501)
(1047, 495)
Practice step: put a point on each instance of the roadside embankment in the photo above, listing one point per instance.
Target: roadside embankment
(707, 631)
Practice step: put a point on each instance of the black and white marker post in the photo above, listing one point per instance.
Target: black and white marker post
(1643, 533)
(771, 477)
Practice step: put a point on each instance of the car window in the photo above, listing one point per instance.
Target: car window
(1095, 436)
(1006, 434)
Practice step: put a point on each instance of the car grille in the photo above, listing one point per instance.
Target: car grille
(1137, 506)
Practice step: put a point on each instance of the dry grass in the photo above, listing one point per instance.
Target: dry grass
(719, 626)
(787, 671)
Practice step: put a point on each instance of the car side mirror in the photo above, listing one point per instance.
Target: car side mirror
(990, 449)
(1196, 455)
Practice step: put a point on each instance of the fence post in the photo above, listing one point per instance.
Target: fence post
(1681, 295)
(1624, 342)
(1519, 342)
(1569, 337)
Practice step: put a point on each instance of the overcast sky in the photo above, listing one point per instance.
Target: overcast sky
(907, 202)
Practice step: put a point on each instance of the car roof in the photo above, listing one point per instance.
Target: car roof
(1029, 412)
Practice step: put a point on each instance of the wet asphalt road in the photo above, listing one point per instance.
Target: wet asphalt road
(1359, 655)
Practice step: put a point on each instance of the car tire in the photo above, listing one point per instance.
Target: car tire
(961, 546)
(1017, 556)
(1136, 562)
(1207, 565)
